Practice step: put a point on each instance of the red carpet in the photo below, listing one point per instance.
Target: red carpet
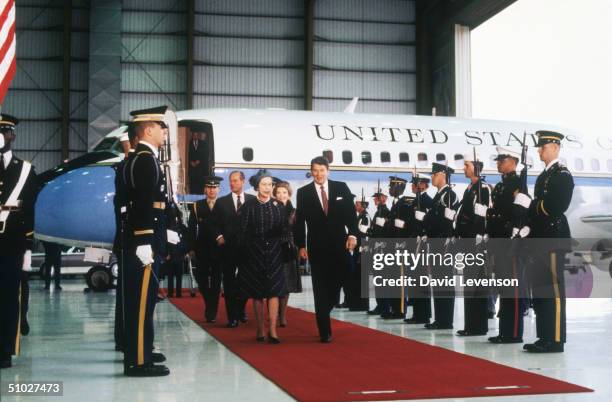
(365, 364)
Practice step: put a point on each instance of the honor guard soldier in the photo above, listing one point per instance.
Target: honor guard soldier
(421, 298)
(355, 301)
(18, 189)
(439, 230)
(501, 221)
(552, 196)
(129, 140)
(471, 224)
(377, 230)
(145, 241)
(205, 243)
(396, 227)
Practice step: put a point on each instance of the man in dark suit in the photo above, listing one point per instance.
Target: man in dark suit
(198, 162)
(326, 207)
(205, 243)
(229, 207)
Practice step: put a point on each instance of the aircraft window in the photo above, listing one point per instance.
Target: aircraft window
(329, 155)
(609, 165)
(347, 157)
(595, 165)
(440, 158)
(422, 157)
(109, 144)
(404, 157)
(247, 154)
(579, 165)
(385, 157)
(366, 157)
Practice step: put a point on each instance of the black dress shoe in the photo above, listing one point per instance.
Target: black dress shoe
(211, 320)
(437, 325)
(261, 338)
(397, 316)
(465, 332)
(491, 315)
(273, 340)
(545, 347)
(232, 324)
(374, 311)
(24, 328)
(147, 370)
(244, 319)
(415, 321)
(58, 287)
(501, 339)
(6, 362)
(326, 339)
(528, 346)
(386, 316)
(157, 357)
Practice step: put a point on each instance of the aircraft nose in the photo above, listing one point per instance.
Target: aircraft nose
(77, 208)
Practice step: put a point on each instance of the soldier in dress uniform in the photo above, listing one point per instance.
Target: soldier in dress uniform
(501, 221)
(18, 189)
(377, 230)
(421, 298)
(145, 242)
(396, 227)
(471, 225)
(120, 207)
(205, 243)
(355, 301)
(439, 230)
(552, 196)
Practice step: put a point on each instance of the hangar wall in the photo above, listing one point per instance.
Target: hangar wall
(293, 54)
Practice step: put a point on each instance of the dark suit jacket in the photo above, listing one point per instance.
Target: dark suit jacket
(325, 233)
(204, 229)
(199, 154)
(230, 218)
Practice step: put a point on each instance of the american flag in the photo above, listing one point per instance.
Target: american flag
(7, 45)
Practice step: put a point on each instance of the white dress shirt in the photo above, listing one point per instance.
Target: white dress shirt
(326, 188)
(6, 158)
(235, 198)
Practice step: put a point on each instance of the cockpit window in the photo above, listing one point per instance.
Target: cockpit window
(111, 144)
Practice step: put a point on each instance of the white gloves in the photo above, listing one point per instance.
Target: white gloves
(522, 233)
(399, 223)
(173, 237)
(480, 210)
(27, 259)
(363, 228)
(419, 215)
(523, 200)
(449, 214)
(145, 254)
(380, 221)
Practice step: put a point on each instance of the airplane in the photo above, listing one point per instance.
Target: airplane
(75, 207)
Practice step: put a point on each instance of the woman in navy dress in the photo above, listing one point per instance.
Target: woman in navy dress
(263, 221)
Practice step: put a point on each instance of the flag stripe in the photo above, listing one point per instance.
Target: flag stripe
(8, 63)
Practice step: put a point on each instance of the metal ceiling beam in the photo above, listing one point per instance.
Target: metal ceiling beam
(308, 53)
(67, 41)
(190, 40)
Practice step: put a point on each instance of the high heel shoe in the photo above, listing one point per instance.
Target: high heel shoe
(273, 340)
(261, 339)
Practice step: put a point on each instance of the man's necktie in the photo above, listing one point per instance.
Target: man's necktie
(325, 200)
(238, 203)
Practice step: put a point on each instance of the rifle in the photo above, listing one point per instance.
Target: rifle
(524, 161)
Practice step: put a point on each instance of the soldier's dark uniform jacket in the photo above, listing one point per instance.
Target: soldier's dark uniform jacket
(377, 228)
(500, 215)
(552, 196)
(363, 225)
(146, 200)
(421, 203)
(399, 216)
(469, 224)
(436, 224)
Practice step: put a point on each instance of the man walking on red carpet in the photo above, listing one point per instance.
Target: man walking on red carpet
(326, 207)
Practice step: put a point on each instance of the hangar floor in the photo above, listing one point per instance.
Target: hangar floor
(71, 341)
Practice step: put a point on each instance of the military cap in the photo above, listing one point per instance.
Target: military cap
(155, 114)
(8, 121)
(548, 137)
(212, 181)
(438, 167)
(420, 178)
(507, 153)
(396, 179)
(378, 192)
